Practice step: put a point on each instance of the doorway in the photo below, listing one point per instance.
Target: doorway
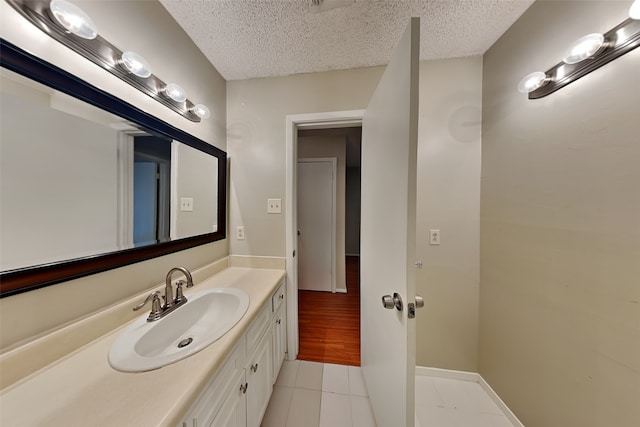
(317, 222)
(328, 244)
(151, 190)
(294, 123)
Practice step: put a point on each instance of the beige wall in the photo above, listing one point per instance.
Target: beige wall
(448, 187)
(146, 27)
(256, 112)
(449, 200)
(560, 227)
(313, 147)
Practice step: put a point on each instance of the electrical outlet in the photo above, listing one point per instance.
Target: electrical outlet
(240, 232)
(274, 206)
(186, 204)
(434, 237)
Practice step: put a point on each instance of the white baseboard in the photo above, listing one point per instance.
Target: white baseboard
(447, 373)
(496, 399)
(474, 377)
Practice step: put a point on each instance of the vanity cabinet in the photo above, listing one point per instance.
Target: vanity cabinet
(239, 394)
(279, 328)
(223, 396)
(258, 367)
(233, 412)
(259, 382)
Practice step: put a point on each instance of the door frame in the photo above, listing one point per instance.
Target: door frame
(326, 120)
(334, 176)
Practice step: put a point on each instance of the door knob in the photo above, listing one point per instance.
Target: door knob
(413, 306)
(390, 302)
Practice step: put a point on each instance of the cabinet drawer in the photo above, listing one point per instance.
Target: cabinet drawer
(258, 328)
(279, 297)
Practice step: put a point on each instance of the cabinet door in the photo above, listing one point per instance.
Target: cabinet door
(279, 341)
(258, 373)
(211, 400)
(234, 409)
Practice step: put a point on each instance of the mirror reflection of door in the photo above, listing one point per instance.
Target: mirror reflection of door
(151, 190)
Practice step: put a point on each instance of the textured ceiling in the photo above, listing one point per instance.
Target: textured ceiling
(259, 38)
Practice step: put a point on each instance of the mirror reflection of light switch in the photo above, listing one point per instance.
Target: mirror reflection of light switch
(186, 204)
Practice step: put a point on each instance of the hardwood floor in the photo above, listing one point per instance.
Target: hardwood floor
(329, 324)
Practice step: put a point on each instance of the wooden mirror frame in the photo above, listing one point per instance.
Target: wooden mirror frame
(28, 278)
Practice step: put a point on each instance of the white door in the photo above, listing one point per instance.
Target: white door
(389, 148)
(316, 224)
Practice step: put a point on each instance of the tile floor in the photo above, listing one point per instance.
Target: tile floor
(311, 394)
(455, 403)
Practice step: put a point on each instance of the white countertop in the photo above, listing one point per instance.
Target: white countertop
(82, 389)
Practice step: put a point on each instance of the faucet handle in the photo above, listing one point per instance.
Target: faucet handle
(156, 307)
(180, 298)
(152, 296)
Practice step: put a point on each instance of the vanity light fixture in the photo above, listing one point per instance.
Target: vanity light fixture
(71, 26)
(634, 10)
(585, 55)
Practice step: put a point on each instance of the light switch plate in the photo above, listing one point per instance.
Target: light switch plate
(434, 237)
(186, 204)
(274, 206)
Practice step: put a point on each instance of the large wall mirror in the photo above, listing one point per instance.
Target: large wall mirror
(90, 183)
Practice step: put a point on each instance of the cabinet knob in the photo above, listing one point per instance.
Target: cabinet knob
(244, 387)
(254, 368)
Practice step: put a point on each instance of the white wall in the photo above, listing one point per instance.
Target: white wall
(146, 27)
(448, 187)
(560, 223)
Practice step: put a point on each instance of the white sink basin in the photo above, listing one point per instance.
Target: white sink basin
(203, 319)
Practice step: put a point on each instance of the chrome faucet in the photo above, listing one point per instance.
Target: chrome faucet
(168, 289)
(158, 310)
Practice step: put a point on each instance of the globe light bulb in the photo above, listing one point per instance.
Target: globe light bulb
(175, 92)
(136, 64)
(583, 48)
(73, 19)
(634, 10)
(532, 81)
(202, 111)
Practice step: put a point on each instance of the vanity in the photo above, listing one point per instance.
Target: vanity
(239, 394)
(228, 383)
